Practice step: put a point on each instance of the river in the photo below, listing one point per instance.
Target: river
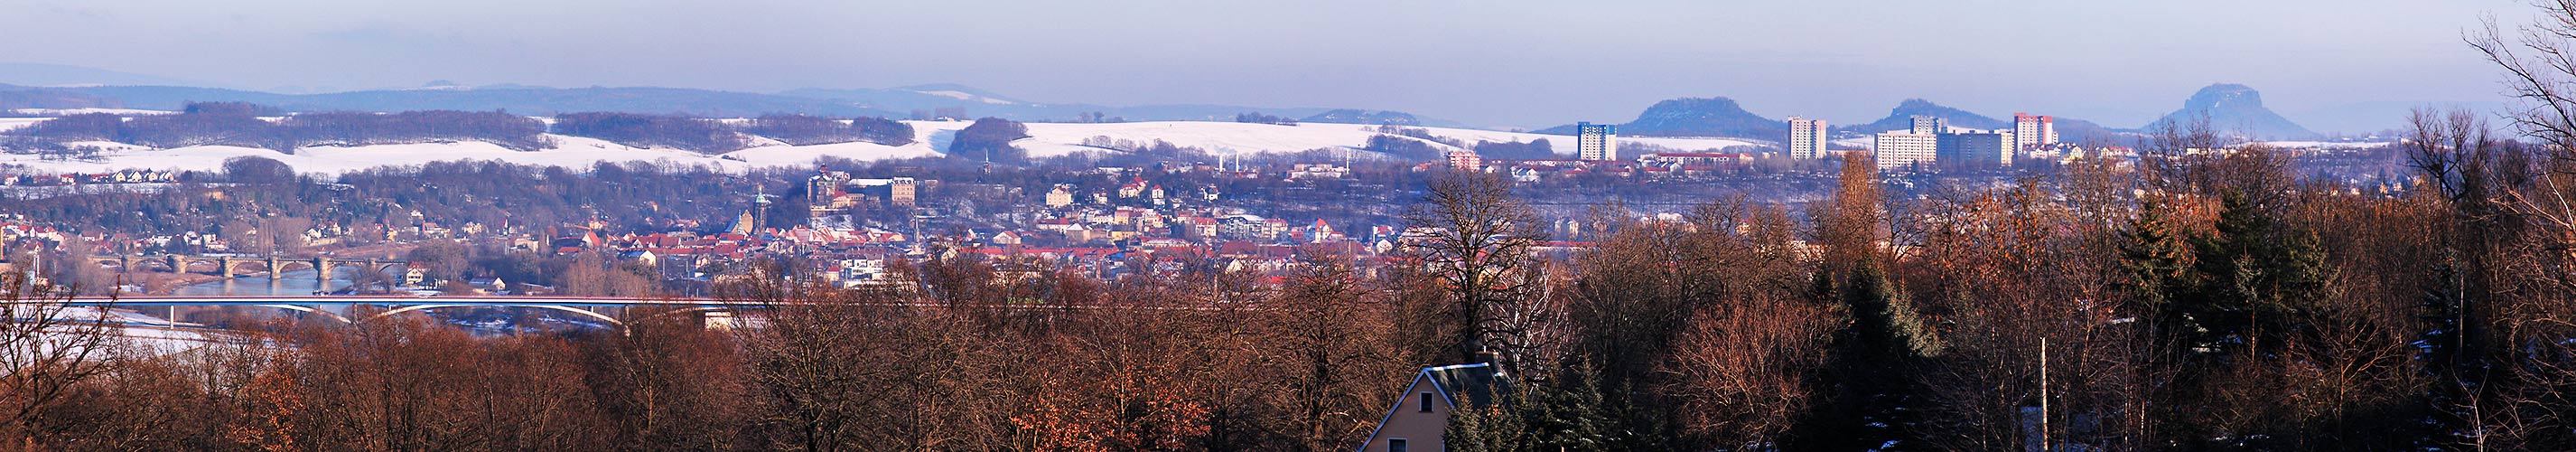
(294, 282)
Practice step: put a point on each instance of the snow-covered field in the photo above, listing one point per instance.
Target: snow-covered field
(574, 152)
(79, 111)
(2326, 144)
(1046, 139)
(132, 332)
(1221, 138)
(7, 124)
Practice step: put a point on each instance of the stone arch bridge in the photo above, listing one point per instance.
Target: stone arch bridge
(235, 266)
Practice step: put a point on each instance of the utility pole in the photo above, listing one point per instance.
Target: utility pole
(2043, 394)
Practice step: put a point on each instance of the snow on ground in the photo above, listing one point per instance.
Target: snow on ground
(7, 124)
(2325, 144)
(83, 111)
(929, 138)
(571, 152)
(48, 191)
(131, 332)
(1226, 137)
(785, 155)
(962, 95)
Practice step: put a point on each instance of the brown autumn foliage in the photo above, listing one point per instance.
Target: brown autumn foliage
(1727, 330)
(2210, 300)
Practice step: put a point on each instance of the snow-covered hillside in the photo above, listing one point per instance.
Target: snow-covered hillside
(572, 152)
(1221, 138)
(1046, 139)
(7, 124)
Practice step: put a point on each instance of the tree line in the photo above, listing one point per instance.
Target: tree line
(237, 124)
(989, 140)
(810, 130)
(2194, 301)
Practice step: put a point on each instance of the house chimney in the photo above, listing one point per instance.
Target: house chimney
(1489, 357)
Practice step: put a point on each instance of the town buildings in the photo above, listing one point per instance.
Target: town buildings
(2033, 131)
(1465, 160)
(1974, 149)
(1907, 150)
(1930, 125)
(1806, 138)
(1596, 141)
(831, 196)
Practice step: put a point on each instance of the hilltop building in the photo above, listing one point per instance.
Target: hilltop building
(1806, 138)
(830, 196)
(1596, 141)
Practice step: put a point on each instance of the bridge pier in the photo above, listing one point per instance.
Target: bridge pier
(322, 274)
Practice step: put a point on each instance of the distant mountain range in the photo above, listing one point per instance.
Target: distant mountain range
(2234, 109)
(2069, 130)
(979, 103)
(1347, 116)
(36, 74)
(1696, 117)
(522, 100)
(54, 86)
(1722, 117)
(1902, 117)
(2228, 107)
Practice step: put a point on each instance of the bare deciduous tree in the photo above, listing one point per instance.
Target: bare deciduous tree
(47, 350)
(1478, 238)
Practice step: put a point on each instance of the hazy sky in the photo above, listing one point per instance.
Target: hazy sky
(1488, 63)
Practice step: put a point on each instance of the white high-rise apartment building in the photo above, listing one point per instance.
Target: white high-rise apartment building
(1905, 150)
(1596, 141)
(1806, 138)
(2033, 131)
(1930, 125)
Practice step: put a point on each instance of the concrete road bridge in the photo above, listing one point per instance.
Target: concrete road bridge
(336, 307)
(324, 306)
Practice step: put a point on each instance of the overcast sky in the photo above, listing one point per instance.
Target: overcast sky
(1487, 63)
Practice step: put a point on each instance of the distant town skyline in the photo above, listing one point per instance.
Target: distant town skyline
(2332, 65)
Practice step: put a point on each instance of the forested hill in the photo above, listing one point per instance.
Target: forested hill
(915, 102)
(1696, 117)
(522, 100)
(1902, 117)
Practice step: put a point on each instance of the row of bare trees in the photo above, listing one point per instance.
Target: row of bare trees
(2197, 298)
(2193, 301)
(240, 125)
(1010, 359)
